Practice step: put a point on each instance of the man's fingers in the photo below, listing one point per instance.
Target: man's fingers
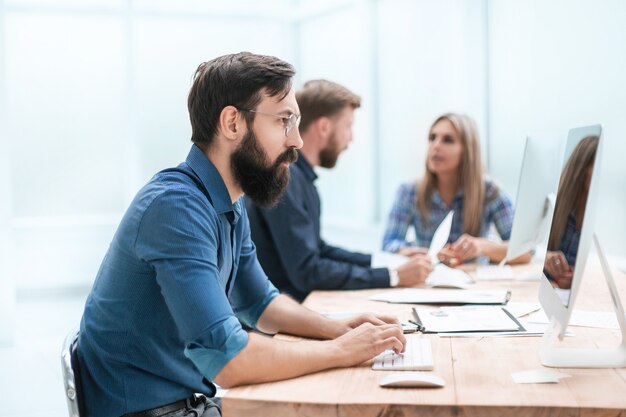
(388, 318)
(393, 343)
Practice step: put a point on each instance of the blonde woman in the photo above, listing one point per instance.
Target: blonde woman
(569, 213)
(453, 180)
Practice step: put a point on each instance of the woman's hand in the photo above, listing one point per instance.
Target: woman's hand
(561, 272)
(466, 247)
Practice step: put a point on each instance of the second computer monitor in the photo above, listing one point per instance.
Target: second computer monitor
(572, 225)
(536, 191)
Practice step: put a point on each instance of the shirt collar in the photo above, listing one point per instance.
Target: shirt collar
(306, 167)
(213, 182)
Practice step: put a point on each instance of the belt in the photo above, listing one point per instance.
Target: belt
(167, 408)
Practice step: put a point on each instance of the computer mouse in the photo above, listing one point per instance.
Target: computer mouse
(412, 379)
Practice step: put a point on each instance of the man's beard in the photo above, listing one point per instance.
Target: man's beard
(261, 180)
(330, 154)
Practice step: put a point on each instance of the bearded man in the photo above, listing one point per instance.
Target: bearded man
(287, 236)
(163, 321)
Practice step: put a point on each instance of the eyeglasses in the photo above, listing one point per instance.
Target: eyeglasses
(289, 122)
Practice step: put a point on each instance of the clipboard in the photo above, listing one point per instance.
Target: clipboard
(466, 319)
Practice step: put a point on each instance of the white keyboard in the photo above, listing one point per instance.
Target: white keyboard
(418, 356)
(494, 272)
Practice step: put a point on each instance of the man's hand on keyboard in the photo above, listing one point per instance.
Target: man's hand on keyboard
(376, 319)
(368, 340)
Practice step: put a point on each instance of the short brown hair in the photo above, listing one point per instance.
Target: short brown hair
(322, 98)
(233, 80)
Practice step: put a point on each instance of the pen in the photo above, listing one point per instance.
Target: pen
(417, 321)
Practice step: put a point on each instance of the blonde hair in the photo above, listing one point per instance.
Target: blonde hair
(570, 185)
(470, 175)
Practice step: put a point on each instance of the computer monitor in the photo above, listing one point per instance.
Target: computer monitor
(536, 192)
(569, 242)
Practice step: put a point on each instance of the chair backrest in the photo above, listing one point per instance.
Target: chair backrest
(71, 375)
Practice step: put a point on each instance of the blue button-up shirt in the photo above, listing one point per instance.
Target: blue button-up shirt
(498, 209)
(163, 317)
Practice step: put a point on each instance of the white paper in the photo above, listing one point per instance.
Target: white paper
(522, 309)
(583, 318)
(531, 330)
(437, 296)
(440, 238)
(538, 376)
(446, 277)
(467, 319)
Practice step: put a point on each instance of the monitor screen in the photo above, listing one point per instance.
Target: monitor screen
(563, 256)
(536, 190)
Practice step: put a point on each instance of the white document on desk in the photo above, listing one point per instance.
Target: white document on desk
(440, 238)
(530, 330)
(467, 319)
(582, 318)
(445, 277)
(435, 296)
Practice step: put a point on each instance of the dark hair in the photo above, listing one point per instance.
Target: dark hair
(233, 80)
(322, 98)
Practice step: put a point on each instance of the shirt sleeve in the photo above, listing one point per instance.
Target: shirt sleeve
(178, 236)
(253, 291)
(399, 220)
(339, 254)
(501, 211)
(293, 231)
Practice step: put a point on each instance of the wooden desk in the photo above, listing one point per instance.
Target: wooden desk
(477, 371)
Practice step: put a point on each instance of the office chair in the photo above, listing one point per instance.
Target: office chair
(71, 375)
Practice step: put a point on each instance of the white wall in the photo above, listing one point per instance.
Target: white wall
(95, 99)
(556, 65)
(432, 61)
(7, 286)
(93, 102)
(408, 68)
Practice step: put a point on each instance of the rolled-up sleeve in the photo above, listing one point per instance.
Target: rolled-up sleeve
(217, 346)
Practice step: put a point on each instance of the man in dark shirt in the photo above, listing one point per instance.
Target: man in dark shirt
(287, 237)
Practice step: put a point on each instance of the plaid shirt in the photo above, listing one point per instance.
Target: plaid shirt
(498, 209)
(570, 240)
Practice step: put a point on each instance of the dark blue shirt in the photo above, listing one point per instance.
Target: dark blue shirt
(570, 240)
(163, 317)
(292, 251)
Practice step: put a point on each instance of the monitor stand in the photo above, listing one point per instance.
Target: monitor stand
(587, 358)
